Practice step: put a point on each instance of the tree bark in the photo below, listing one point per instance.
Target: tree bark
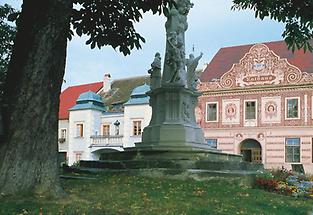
(30, 150)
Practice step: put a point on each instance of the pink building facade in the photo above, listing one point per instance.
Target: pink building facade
(257, 100)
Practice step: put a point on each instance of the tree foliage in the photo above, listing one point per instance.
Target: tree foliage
(296, 14)
(7, 35)
(111, 22)
(28, 154)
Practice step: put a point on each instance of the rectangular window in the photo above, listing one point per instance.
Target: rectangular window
(250, 110)
(292, 108)
(105, 130)
(136, 128)
(292, 150)
(78, 156)
(79, 130)
(63, 133)
(211, 112)
(212, 143)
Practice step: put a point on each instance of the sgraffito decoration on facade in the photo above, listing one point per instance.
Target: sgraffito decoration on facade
(231, 110)
(238, 136)
(260, 136)
(259, 67)
(271, 109)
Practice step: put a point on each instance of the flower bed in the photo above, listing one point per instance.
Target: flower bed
(285, 182)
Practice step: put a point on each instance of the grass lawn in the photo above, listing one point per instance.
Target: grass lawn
(123, 194)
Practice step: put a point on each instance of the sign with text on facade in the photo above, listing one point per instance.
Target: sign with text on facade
(259, 78)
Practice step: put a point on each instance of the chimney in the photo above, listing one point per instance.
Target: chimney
(106, 83)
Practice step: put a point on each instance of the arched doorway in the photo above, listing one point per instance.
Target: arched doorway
(251, 150)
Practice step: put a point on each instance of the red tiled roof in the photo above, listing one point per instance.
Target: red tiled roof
(226, 57)
(69, 96)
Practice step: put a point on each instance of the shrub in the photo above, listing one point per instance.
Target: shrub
(281, 174)
(267, 184)
(264, 175)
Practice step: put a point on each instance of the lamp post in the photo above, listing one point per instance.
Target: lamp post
(117, 127)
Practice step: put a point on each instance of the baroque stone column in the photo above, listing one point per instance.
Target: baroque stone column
(173, 124)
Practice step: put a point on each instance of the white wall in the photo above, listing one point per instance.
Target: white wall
(133, 113)
(63, 124)
(110, 119)
(91, 123)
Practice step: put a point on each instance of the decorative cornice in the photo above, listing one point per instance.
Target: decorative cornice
(253, 90)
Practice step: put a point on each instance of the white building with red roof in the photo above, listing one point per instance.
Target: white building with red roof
(258, 101)
(103, 116)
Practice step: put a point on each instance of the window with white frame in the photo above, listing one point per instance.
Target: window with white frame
(212, 143)
(292, 150)
(292, 108)
(106, 130)
(79, 130)
(136, 128)
(212, 110)
(250, 109)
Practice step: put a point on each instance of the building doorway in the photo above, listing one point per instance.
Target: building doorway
(251, 151)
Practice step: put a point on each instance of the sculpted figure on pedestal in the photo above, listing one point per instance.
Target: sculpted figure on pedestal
(155, 72)
(192, 77)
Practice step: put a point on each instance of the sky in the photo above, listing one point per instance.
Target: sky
(212, 25)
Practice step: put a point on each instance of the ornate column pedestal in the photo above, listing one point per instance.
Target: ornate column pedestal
(173, 125)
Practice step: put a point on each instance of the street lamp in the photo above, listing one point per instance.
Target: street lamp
(117, 127)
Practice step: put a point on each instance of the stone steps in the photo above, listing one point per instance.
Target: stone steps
(177, 154)
(173, 164)
(234, 176)
(176, 162)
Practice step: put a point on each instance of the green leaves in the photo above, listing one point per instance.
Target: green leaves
(297, 14)
(111, 22)
(7, 35)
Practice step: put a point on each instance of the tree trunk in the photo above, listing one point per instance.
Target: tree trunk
(29, 162)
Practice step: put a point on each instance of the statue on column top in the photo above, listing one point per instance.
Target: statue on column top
(174, 65)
